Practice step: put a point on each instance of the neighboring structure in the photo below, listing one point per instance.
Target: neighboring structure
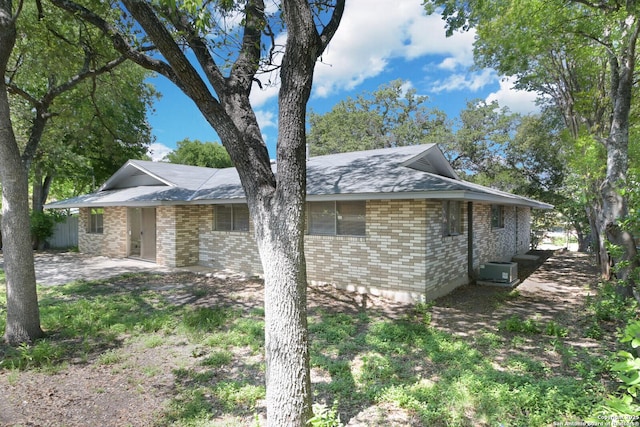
(397, 221)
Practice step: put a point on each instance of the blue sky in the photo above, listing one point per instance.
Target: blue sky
(374, 45)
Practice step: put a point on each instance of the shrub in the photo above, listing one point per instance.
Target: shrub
(627, 370)
(325, 417)
(42, 225)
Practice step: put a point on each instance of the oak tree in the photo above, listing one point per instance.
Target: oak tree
(213, 51)
(391, 116)
(581, 56)
(45, 58)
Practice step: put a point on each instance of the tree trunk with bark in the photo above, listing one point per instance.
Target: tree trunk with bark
(23, 315)
(614, 203)
(276, 202)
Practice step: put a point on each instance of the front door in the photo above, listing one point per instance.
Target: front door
(142, 233)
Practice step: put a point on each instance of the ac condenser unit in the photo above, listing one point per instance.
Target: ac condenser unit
(499, 272)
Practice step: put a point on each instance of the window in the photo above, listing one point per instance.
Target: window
(497, 216)
(336, 218)
(233, 217)
(322, 218)
(451, 217)
(96, 221)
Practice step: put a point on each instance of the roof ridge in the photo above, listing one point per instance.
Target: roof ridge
(204, 181)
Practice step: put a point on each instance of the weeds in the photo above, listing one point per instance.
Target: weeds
(518, 325)
(367, 359)
(609, 306)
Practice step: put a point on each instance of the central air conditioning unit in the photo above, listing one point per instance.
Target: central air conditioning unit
(499, 272)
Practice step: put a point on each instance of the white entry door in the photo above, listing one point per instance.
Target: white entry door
(142, 233)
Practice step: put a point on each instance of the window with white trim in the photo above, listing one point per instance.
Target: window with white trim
(232, 217)
(497, 216)
(336, 218)
(451, 217)
(95, 223)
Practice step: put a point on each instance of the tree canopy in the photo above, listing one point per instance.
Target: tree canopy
(197, 153)
(392, 116)
(83, 117)
(580, 56)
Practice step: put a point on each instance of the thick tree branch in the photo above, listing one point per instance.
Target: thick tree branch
(330, 29)
(248, 62)
(42, 114)
(200, 49)
(118, 40)
(181, 69)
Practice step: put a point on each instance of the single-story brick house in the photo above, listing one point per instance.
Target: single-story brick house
(396, 221)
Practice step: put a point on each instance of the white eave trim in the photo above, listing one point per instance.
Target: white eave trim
(462, 195)
(121, 174)
(433, 156)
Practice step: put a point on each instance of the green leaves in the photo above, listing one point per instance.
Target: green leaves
(627, 369)
(197, 153)
(393, 115)
(632, 334)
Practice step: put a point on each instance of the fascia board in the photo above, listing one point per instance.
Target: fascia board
(432, 195)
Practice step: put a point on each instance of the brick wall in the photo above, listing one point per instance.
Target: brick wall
(233, 250)
(403, 254)
(524, 230)
(166, 235)
(112, 242)
(446, 256)
(177, 241)
(500, 244)
(389, 260)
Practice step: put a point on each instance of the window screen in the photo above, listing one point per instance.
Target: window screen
(322, 218)
(497, 216)
(223, 217)
(336, 218)
(231, 217)
(96, 220)
(451, 217)
(351, 218)
(240, 217)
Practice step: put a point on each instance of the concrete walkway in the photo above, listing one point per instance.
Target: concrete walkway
(56, 268)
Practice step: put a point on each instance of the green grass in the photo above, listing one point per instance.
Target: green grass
(444, 380)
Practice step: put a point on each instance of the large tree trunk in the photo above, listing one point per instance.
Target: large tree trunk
(614, 204)
(23, 315)
(281, 245)
(288, 381)
(583, 239)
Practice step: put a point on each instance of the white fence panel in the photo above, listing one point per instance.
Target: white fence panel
(65, 234)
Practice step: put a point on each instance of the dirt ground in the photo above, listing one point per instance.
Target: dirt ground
(91, 394)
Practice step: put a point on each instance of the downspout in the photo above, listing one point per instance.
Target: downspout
(516, 251)
(470, 270)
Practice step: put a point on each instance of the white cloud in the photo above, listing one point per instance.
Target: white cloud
(157, 151)
(266, 119)
(260, 97)
(518, 101)
(465, 81)
(370, 36)
(372, 33)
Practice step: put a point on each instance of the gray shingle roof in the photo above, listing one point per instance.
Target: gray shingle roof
(419, 171)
